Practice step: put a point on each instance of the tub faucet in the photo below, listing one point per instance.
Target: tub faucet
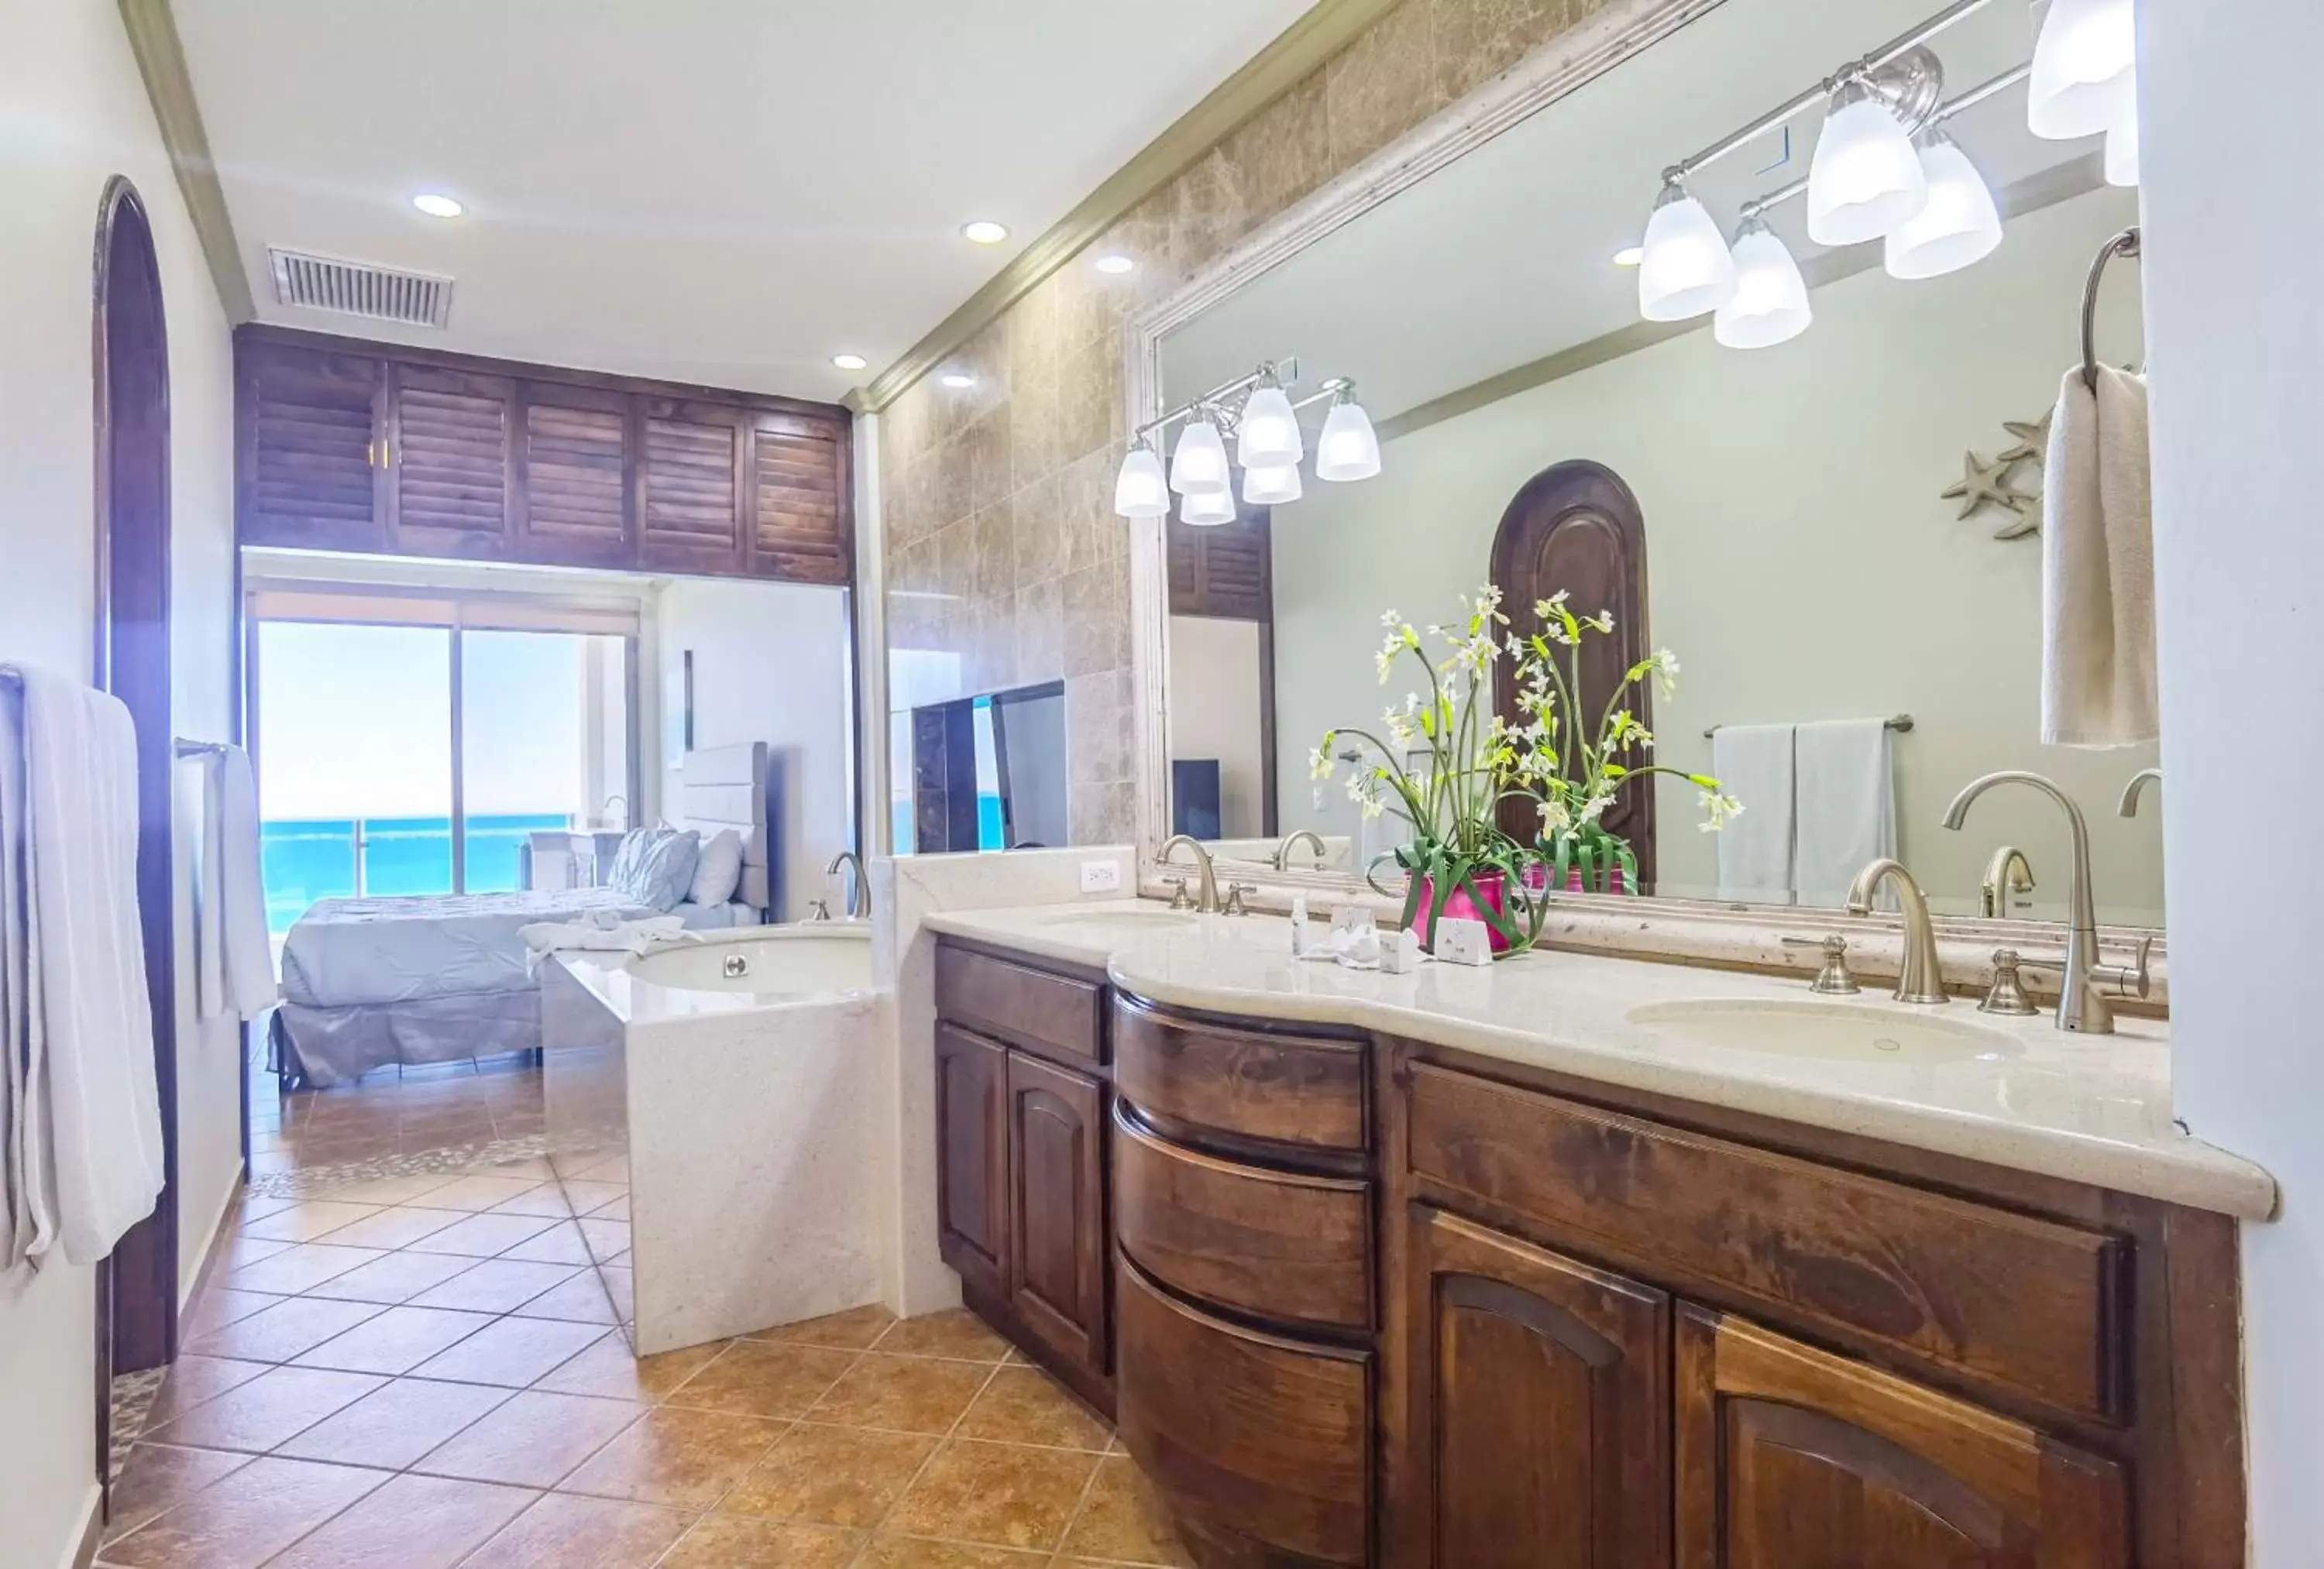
(859, 892)
(1291, 842)
(2008, 872)
(2128, 806)
(1922, 978)
(1208, 902)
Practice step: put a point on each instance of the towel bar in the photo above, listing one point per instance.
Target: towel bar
(1900, 724)
(186, 748)
(2126, 243)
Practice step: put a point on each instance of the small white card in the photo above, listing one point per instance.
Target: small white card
(1460, 942)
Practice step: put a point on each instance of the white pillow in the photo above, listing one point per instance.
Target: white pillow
(718, 868)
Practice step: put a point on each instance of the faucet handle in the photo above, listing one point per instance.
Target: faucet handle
(1178, 900)
(1236, 892)
(818, 910)
(2007, 994)
(1835, 979)
(2126, 980)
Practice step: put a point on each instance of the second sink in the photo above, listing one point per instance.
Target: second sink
(1826, 1031)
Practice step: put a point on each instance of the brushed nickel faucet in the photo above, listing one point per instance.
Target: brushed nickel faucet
(859, 892)
(2082, 1004)
(1208, 902)
(2128, 806)
(1923, 977)
(1291, 841)
(2001, 880)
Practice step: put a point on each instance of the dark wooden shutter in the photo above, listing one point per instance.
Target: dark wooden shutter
(802, 529)
(691, 516)
(573, 474)
(307, 425)
(1227, 572)
(449, 457)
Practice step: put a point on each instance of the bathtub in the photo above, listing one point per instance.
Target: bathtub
(739, 1072)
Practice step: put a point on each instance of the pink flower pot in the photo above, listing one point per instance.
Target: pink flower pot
(1614, 884)
(1459, 907)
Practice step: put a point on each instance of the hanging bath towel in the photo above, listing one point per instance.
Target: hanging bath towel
(2097, 567)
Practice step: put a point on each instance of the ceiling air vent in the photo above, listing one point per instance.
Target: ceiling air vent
(360, 289)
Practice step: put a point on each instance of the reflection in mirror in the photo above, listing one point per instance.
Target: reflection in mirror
(986, 773)
(1835, 531)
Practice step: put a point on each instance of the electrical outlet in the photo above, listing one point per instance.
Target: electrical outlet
(1100, 876)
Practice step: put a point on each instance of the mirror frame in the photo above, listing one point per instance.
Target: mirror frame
(1701, 930)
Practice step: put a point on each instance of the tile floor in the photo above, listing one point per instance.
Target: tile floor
(432, 1370)
(390, 1113)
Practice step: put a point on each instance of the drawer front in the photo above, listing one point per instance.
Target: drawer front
(1265, 1242)
(1294, 1090)
(1261, 1444)
(2028, 1303)
(1027, 1006)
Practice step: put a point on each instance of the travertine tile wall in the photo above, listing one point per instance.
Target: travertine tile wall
(1001, 543)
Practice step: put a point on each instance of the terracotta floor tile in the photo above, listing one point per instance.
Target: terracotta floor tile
(511, 1351)
(580, 1300)
(495, 1285)
(244, 1519)
(608, 1369)
(258, 1206)
(547, 1200)
(620, 1289)
(216, 1308)
(270, 1409)
(1024, 1404)
(412, 1522)
(531, 1168)
(724, 1541)
(393, 1278)
(838, 1476)
(607, 1169)
(484, 1236)
(398, 1226)
(238, 1251)
(904, 1394)
(613, 1209)
(394, 1425)
(161, 1476)
(306, 1221)
(605, 1237)
(956, 1333)
(194, 1378)
(675, 1456)
(1003, 1494)
(479, 1193)
(587, 1196)
(281, 1332)
(561, 1243)
(1123, 1520)
(751, 1379)
(393, 1189)
(533, 1440)
(895, 1552)
(565, 1532)
(296, 1268)
(853, 1330)
(395, 1342)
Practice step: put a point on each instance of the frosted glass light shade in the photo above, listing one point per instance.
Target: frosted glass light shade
(1349, 449)
(1206, 509)
(1271, 487)
(1139, 489)
(1959, 226)
(1770, 305)
(1268, 435)
(2084, 64)
(1865, 179)
(1687, 269)
(1198, 464)
(2122, 153)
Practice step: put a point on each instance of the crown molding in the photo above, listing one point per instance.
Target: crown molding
(161, 62)
(1326, 28)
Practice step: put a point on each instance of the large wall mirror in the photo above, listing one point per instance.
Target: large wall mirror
(1837, 535)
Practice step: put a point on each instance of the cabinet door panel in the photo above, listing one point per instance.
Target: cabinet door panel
(575, 473)
(691, 517)
(1540, 1403)
(972, 1156)
(1792, 1458)
(309, 432)
(1056, 1187)
(449, 443)
(801, 515)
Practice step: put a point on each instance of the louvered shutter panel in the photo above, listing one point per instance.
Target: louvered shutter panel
(801, 528)
(692, 517)
(574, 474)
(448, 445)
(1226, 571)
(307, 424)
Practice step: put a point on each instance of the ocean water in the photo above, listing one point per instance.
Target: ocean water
(308, 858)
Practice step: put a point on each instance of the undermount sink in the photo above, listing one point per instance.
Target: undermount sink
(1826, 1031)
(1131, 922)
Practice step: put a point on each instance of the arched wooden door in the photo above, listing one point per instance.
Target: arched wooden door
(1575, 526)
(132, 660)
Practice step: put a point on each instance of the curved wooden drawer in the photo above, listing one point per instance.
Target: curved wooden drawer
(1270, 1243)
(1261, 1444)
(1300, 1091)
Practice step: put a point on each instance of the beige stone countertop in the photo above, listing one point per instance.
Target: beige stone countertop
(2087, 1109)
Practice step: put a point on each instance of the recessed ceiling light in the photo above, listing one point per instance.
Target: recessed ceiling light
(957, 380)
(850, 361)
(1629, 255)
(1115, 264)
(437, 205)
(985, 232)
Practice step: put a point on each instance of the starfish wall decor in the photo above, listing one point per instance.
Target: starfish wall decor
(1987, 484)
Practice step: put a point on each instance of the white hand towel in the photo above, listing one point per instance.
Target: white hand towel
(1846, 792)
(1753, 763)
(600, 930)
(16, 1130)
(210, 895)
(247, 953)
(93, 1124)
(2097, 567)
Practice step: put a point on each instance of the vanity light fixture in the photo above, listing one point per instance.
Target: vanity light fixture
(1770, 302)
(1685, 268)
(1140, 490)
(1629, 255)
(2085, 61)
(1267, 430)
(1198, 464)
(1114, 264)
(850, 361)
(958, 380)
(2122, 152)
(1271, 487)
(1206, 509)
(983, 232)
(437, 205)
(1866, 179)
(1348, 448)
(1958, 225)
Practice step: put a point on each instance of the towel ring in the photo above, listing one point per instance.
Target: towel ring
(2126, 243)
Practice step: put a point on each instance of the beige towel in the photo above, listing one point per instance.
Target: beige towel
(2097, 567)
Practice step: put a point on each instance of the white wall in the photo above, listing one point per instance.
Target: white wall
(72, 113)
(1214, 675)
(771, 663)
(2235, 254)
(1800, 561)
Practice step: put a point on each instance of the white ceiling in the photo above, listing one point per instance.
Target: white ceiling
(720, 191)
(1505, 257)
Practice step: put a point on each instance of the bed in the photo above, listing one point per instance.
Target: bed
(370, 983)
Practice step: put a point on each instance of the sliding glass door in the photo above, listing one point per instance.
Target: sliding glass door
(544, 743)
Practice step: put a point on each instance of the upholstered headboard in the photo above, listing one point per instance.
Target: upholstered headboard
(726, 787)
